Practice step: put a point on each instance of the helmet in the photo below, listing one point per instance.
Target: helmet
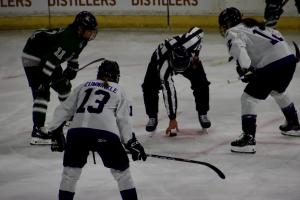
(228, 18)
(180, 59)
(109, 70)
(231, 16)
(85, 20)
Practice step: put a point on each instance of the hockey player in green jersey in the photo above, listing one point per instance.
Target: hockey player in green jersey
(42, 57)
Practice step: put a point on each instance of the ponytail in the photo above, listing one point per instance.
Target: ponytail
(250, 22)
(105, 80)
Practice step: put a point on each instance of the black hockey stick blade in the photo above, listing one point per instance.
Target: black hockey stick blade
(94, 61)
(297, 51)
(217, 170)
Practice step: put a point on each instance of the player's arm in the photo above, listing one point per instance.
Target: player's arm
(65, 110)
(124, 118)
(237, 48)
(169, 91)
(127, 136)
(62, 113)
(194, 45)
(71, 70)
(72, 66)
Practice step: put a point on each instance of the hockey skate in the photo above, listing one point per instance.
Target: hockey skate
(290, 129)
(204, 121)
(40, 136)
(244, 144)
(152, 124)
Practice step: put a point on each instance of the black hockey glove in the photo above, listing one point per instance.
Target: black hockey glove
(136, 149)
(71, 71)
(43, 90)
(58, 139)
(246, 74)
(61, 85)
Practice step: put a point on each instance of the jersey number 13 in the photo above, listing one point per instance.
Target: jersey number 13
(100, 102)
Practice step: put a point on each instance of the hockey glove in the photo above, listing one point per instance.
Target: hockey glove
(43, 91)
(61, 85)
(71, 71)
(58, 140)
(136, 149)
(246, 74)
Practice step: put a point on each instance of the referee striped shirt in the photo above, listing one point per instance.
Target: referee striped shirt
(191, 40)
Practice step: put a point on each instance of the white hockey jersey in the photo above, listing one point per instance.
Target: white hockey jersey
(256, 47)
(97, 107)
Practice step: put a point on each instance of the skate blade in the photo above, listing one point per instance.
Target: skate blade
(204, 130)
(291, 133)
(38, 141)
(248, 149)
(151, 133)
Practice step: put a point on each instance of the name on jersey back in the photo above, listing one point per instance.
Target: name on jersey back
(102, 85)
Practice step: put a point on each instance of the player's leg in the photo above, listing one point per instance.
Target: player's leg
(297, 4)
(284, 76)
(75, 157)
(69, 178)
(200, 87)
(40, 104)
(257, 89)
(273, 11)
(151, 87)
(246, 142)
(114, 156)
(60, 84)
(125, 184)
(41, 98)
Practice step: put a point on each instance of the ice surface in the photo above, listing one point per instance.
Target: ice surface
(33, 172)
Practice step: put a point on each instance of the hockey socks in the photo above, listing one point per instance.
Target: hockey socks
(65, 195)
(129, 194)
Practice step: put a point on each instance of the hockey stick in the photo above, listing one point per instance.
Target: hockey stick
(240, 78)
(297, 51)
(79, 69)
(94, 61)
(233, 80)
(218, 171)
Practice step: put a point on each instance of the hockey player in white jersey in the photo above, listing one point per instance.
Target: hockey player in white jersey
(101, 124)
(266, 63)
